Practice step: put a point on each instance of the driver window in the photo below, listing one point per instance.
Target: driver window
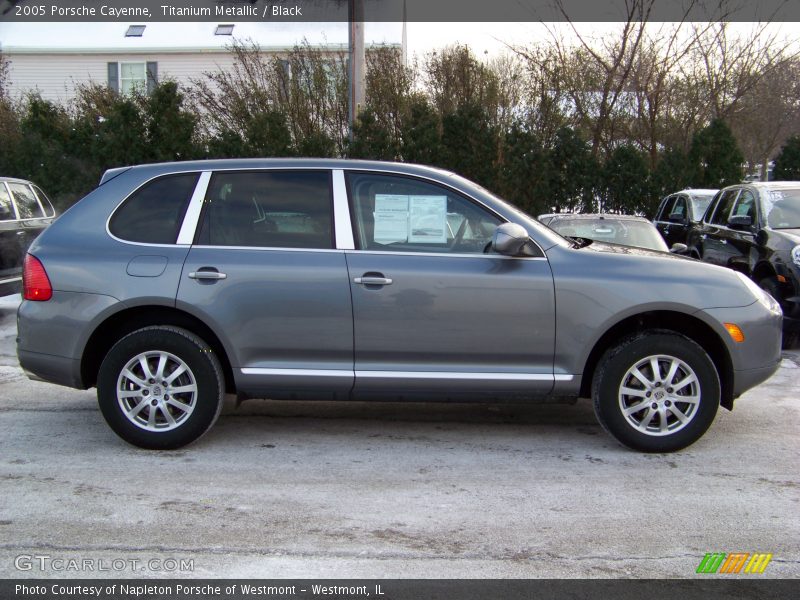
(401, 214)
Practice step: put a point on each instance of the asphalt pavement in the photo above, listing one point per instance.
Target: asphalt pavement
(355, 490)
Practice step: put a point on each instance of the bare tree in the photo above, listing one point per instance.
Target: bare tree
(768, 115)
(308, 85)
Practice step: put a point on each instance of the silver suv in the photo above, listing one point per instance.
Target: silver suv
(172, 284)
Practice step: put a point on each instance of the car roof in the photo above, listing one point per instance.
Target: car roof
(699, 191)
(775, 185)
(14, 180)
(313, 163)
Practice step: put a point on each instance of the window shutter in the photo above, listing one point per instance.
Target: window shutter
(113, 76)
(152, 76)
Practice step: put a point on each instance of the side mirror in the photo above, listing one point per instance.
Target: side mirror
(510, 239)
(740, 221)
(678, 248)
(677, 218)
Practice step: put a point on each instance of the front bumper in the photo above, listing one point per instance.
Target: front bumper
(756, 358)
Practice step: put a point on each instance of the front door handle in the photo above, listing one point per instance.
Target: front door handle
(372, 280)
(207, 275)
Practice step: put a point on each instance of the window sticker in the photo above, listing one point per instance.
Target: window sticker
(391, 218)
(427, 219)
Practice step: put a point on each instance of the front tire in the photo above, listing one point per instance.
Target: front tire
(773, 288)
(656, 391)
(160, 388)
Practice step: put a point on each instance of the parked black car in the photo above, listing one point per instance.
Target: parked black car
(755, 228)
(25, 211)
(679, 212)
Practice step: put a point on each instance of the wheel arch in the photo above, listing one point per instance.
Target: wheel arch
(763, 270)
(690, 326)
(126, 321)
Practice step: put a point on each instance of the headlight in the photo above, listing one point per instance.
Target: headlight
(759, 294)
(796, 255)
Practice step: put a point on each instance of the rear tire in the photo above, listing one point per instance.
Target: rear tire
(160, 388)
(656, 391)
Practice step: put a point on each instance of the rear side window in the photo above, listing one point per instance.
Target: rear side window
(6, 208)
(27, 205)
(723, 208)
(666, 209)
(269, 209)
(49, 211)
(153, 214)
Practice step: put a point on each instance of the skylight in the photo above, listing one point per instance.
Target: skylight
(135, 31)
(224, 30)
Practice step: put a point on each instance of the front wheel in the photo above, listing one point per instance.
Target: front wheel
(773, 288)
(160, 388)
(657, 391)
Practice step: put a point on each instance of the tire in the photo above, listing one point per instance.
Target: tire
(144, 412)
(660, 429)
(773, 288)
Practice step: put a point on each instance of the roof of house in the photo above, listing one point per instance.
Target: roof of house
(94, 38)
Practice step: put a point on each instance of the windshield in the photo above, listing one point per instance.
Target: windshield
(700, 204)
(615, 231)
(781, 209)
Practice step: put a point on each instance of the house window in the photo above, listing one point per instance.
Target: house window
(125, 77)
(224, 30)
(135, 31)
(132, 76)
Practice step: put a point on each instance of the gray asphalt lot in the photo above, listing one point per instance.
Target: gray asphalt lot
(322, 490)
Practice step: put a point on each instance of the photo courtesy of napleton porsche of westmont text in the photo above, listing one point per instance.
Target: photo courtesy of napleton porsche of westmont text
(399, 299)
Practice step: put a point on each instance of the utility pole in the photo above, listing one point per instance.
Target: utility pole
(357, 80)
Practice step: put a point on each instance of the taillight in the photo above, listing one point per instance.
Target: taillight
(35, 282)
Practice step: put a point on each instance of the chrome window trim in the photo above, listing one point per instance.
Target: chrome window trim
(445, 185)
(341, 212)
(192, 216)
(269, 248)
(136, 189)
(343, 169)
(442, 375)
(26, 184)
(11, 280)
(13, 204)
(446, 255)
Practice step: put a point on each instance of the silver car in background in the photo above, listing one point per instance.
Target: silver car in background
(172, 284)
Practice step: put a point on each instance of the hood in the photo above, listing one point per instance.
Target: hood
(791, 235)
(632, 251)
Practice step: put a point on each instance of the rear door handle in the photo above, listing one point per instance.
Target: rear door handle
(207, 275)
(372, 280)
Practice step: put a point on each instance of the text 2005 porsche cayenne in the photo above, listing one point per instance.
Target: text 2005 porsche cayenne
(171, 284)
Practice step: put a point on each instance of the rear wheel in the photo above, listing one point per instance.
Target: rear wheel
(656, 392)
(160, 388)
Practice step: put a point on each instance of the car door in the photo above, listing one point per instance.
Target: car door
(32, 217)
(264, 274)
(741, 248)
(676, 228)
(714, 233)
(434, 315)
(662, 221)
(10, 243)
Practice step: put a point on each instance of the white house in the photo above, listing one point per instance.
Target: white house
(53, 58)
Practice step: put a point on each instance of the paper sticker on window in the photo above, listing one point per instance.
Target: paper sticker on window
(427, 219)
(391, 218)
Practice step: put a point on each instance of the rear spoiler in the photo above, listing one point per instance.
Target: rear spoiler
(112, 173)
